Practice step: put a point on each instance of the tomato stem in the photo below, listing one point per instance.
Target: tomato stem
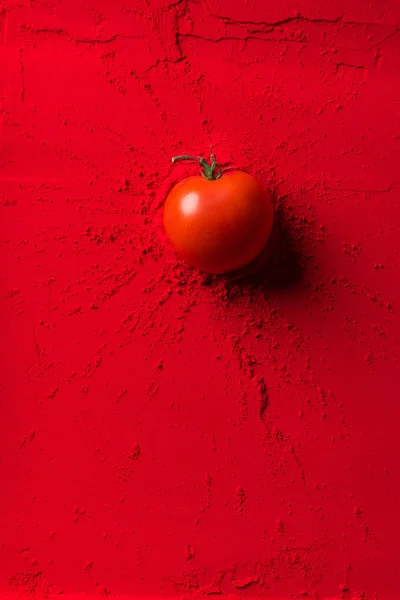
(209, 170)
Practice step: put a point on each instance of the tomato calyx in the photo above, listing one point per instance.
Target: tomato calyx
(208, 170)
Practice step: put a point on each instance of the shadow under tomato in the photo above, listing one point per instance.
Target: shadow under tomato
(279, 266)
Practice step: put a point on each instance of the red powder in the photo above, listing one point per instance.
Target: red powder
(166, 432)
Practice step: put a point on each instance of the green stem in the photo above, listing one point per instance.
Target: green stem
(209, 171)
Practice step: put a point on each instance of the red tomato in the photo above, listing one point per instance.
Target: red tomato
(218, 222)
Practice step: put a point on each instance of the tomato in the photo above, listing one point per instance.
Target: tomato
(218, 222)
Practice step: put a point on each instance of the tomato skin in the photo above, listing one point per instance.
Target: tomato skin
(218, 225)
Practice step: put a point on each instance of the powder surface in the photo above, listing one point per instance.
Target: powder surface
(165, 432)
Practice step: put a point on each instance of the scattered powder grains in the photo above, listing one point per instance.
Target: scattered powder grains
(167, 432)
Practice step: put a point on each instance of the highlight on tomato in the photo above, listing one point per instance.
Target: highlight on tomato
(218, 221)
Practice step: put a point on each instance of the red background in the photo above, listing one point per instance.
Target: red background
(168, 433)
